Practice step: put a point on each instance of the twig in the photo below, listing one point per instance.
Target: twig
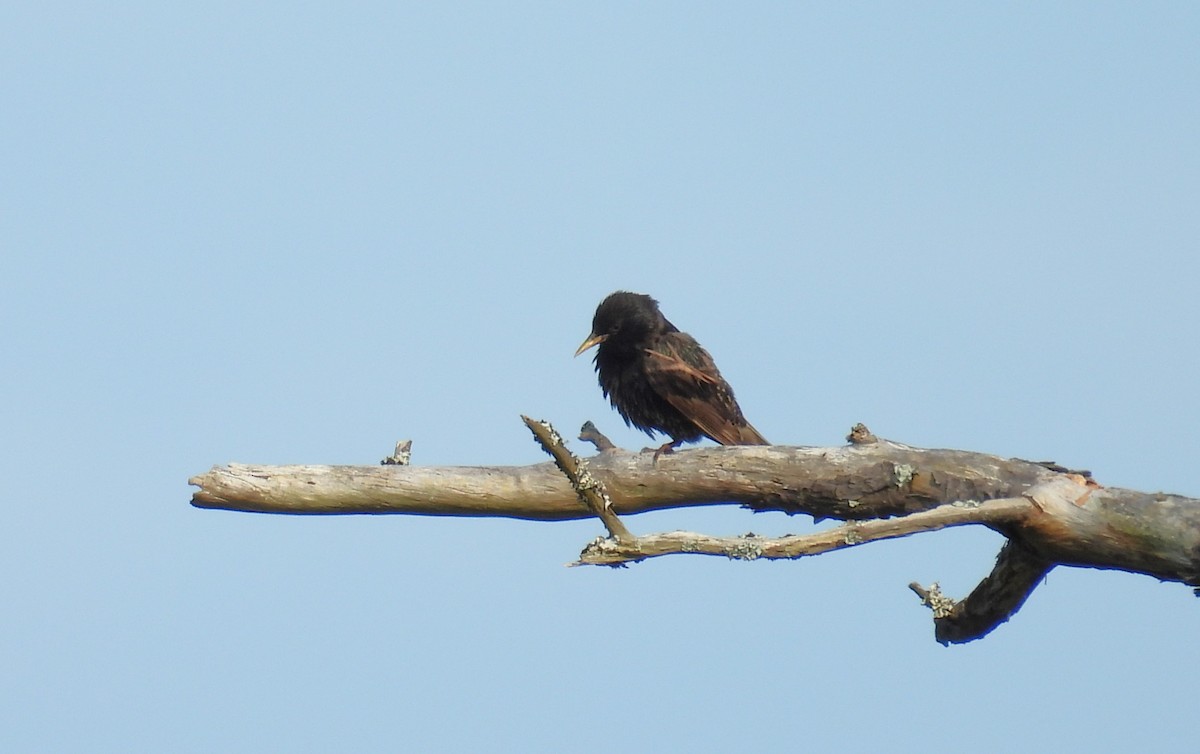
(932, 598)
(590, 490)
(751, 547)
(589, 433)
(401, 456)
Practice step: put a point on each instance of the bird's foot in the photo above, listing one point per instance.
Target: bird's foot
(666, 448)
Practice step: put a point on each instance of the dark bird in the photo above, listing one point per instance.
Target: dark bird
(660, 379)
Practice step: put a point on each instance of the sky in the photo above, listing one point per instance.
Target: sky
(284, 233)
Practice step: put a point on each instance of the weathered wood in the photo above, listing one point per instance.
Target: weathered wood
(590, 490)
(847, 483)
(614, 551)
(997, 598)
(1050, 515)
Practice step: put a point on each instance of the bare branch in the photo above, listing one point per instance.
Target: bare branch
(589, 489)
(1050, 515)
(589, 433)
(1078, 522)
(996, 599)
(791, 547)
(846, 483)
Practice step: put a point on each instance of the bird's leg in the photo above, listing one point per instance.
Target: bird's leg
(665, 449)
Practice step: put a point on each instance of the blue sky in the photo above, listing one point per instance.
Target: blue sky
(292, 234)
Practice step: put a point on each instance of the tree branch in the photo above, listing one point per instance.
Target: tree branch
(845, 483)
(1050, 515)
(791, 547)
(589, 489)
(996, 599)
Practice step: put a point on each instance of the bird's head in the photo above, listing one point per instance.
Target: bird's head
(625, 319)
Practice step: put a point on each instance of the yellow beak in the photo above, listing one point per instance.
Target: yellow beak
(592, 340)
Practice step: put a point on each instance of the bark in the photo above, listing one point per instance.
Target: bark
(1050, 515)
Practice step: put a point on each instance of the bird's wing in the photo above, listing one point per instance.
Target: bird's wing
(683, 373)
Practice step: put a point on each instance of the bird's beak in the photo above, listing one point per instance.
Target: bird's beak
(592, 340)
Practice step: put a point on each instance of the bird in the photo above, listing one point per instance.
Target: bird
(660, 379)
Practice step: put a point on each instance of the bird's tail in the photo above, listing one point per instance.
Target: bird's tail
(748, 435)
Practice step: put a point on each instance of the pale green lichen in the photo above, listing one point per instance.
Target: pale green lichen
(587, 482)
(745, 549)
(904, 473)
(941, 605)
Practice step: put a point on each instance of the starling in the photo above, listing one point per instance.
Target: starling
(660, 379)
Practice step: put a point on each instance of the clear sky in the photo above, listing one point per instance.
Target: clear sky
(289, 233)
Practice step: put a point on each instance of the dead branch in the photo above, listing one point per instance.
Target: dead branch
(590, 490)
(791, 547)
(996, 599)
(1050, 515)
